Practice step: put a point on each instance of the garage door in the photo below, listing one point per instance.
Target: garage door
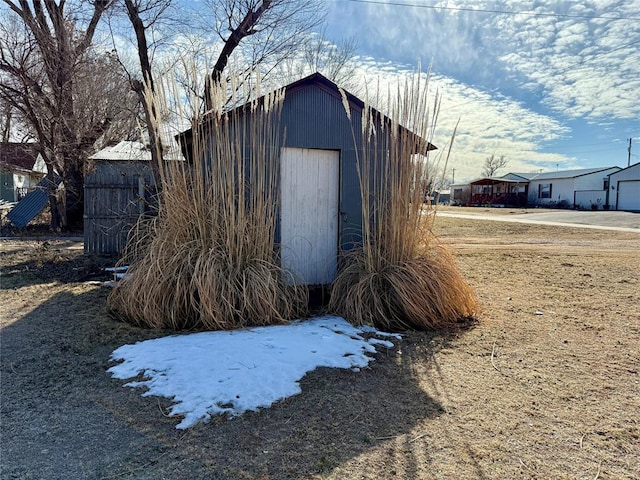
(309, 214)
(629, 195)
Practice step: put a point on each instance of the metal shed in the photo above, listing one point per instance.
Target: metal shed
(117, 191)
(320, 204)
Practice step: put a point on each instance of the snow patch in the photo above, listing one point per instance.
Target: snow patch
(230, 372)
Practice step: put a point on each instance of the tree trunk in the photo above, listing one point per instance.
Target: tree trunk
(244, 29)
(73, 199)
(145, 89)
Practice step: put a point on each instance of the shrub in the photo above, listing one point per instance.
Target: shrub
(399, 277)
(208, 260)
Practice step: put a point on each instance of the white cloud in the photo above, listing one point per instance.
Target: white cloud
(558, 71)
(546, 53)
(584, 67)
(489, 123)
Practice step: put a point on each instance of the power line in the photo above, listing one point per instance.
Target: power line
(485, 10)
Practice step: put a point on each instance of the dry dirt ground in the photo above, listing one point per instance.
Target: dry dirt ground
(545, 386)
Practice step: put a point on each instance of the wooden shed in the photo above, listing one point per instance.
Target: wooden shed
(117, 191)
(320, 204)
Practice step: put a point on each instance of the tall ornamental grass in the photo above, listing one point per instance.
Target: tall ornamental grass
(207, 261)
(399, 277)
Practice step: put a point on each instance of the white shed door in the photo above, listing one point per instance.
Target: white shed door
(309, 193)
(629, 195)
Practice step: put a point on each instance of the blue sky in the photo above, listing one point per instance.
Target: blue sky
(550, 85)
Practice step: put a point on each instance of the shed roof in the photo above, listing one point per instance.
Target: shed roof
(133, 152)
(320, 81)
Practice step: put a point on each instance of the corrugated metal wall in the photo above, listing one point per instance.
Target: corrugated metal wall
(313, 117)
(116, 194)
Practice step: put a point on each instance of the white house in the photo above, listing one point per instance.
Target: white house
(21, 168)
(584, 188)
(624, 189)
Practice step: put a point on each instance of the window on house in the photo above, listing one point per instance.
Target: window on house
(544, 190)
(605, 184)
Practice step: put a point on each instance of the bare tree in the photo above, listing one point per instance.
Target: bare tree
(272, 30)
(6, 116)
(267, 31)
(144, 15)
(492, 164)
(48, 73)
(317, 54)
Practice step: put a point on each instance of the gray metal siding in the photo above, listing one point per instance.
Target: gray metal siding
(313, 117)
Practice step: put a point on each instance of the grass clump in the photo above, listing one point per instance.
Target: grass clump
(400, 277)
(208, 260)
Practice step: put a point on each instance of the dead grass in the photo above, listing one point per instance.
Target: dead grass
(208, 261)
(398, 277)
(560, 402)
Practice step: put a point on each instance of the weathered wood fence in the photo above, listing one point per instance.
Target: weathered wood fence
(116, 194)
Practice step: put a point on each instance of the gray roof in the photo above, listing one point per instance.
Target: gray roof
(570, 173)
(134, 151)
(523, 176)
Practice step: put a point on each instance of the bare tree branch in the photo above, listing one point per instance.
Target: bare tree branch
(63, 91)
(492, 164)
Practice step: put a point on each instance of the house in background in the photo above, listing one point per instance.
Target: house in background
(585, 188)
(624, 189)
(21, 168)
(509, 190)
(320, 201)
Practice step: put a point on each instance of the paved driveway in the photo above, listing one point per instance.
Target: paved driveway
(601, 220)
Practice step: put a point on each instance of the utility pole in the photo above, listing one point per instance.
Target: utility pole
(629, 156)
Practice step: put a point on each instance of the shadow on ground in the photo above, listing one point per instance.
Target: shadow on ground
(65, 418)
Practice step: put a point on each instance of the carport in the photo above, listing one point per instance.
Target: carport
(499, 192)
